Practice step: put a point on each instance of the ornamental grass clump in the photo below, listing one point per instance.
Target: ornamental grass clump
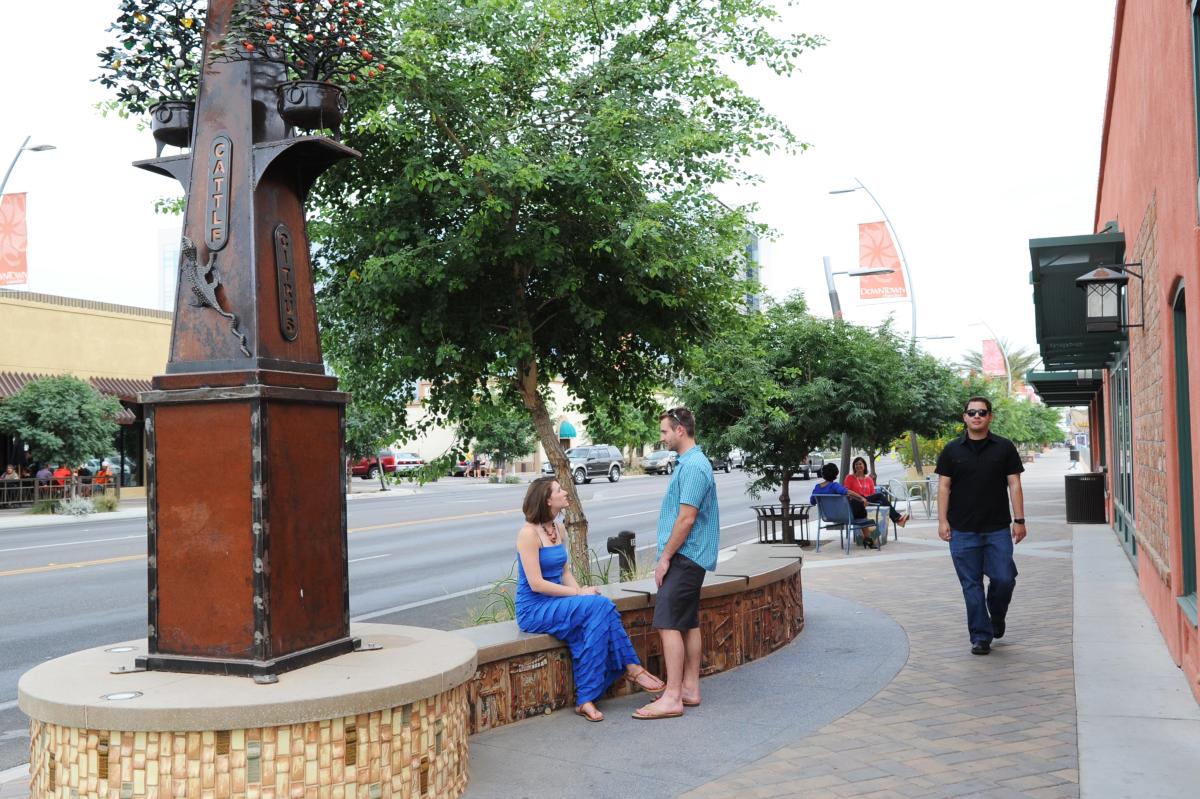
(106, 503)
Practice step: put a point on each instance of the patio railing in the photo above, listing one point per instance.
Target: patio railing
(29, 490)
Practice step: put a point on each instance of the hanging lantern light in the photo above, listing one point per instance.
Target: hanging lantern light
(1103, 286)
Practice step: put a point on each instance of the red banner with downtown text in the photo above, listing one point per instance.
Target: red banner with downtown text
(877, 251)
(14, 269)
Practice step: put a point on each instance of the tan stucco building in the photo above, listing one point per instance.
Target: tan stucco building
(116, 348)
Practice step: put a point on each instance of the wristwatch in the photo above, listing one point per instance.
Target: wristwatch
(1019, 521)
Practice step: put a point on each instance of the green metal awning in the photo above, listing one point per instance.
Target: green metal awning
(1059, 304)
(1066, 388)
(566, 429)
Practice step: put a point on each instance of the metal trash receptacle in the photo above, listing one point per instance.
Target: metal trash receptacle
(1085, 498)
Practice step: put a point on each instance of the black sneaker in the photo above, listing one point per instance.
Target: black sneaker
(981, 648)
(998, 628)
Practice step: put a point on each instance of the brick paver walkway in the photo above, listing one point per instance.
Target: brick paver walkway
(950, 723)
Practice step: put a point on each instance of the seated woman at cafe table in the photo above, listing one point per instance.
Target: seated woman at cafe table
(858, 503)
(861, 483)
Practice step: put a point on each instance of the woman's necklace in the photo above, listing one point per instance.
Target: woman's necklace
(551, 533)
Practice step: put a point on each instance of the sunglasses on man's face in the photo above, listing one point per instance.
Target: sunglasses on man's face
(973, 412)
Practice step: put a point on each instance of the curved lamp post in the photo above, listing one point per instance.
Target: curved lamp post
(37, 148)
(912, 297)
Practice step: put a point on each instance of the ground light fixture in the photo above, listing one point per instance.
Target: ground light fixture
(1103, 287)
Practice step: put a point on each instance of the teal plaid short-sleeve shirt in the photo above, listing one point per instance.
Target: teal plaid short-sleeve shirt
(693, 484)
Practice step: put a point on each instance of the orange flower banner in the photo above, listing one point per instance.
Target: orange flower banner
(993, 358)
(14, 270)
(876, 251)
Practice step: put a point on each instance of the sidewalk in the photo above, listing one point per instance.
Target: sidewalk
(1079, 699)
(880, 696)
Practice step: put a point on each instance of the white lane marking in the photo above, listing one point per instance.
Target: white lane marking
(736, 524)
(409, 606)
(72, 543)
(7, 705)
(369, 557)
(639, 513)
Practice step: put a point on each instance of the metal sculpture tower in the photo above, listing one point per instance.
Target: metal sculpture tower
(247, 521)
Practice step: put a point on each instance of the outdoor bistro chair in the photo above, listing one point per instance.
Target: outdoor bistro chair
(833, 513)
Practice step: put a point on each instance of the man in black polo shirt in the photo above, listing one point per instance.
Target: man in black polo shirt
(977, 474)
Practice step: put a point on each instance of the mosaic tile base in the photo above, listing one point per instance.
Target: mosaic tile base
(410, 752)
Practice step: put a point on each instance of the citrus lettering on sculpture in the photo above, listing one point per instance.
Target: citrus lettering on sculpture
(216, 220)
(285, 274)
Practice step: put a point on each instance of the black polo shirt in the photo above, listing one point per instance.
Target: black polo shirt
(978, 472)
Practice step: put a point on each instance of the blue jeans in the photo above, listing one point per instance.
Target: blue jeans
(976, 555)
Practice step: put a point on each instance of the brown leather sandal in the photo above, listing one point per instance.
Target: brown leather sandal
(635, 679)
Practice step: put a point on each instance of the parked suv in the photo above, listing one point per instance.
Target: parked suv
(594, 460)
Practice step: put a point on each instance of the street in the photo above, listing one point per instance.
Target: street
(415, 558)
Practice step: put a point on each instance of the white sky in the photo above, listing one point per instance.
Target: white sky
(976, 125)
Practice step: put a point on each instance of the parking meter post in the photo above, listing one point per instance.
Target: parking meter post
(621, 545)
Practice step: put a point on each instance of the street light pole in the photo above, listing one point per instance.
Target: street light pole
(37, 148)
(912, 300)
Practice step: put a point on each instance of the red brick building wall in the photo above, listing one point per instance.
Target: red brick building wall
(1148, 182)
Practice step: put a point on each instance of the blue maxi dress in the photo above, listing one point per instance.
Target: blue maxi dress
(589, 625)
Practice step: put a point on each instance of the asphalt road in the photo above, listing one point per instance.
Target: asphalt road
(419, 559)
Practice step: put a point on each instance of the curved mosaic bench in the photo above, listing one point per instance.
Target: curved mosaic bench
(750, 606)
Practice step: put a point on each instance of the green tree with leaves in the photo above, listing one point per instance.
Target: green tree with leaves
(536, 201)
(62, 419)
(501, 430)
(921, 396)
(367, 432)
(779, 388)
(626, 427)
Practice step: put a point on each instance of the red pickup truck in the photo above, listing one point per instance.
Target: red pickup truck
(368, 468)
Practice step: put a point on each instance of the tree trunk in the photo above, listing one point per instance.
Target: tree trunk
(785, 503)
(573, 518)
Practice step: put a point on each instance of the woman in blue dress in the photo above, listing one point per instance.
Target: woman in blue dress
(549, 600)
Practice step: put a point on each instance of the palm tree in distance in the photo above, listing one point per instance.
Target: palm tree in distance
(1020, 361)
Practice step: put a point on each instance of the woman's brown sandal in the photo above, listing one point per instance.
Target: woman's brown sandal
(579, 711)
(635, 679)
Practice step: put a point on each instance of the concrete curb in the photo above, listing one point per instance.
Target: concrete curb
(29, 520)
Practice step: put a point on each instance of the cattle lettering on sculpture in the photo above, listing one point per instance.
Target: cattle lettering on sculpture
(285, 273)
(216, 219)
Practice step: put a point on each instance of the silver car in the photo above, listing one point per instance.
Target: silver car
(660, 461)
